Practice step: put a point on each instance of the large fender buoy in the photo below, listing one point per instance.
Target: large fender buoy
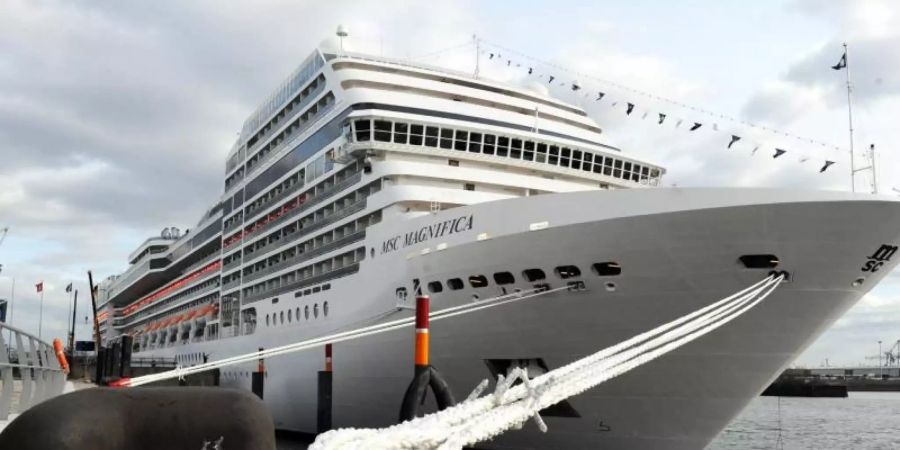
(144, 418)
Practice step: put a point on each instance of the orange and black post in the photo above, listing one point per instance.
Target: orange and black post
(257, 381)
(323, 416)
(425, 375)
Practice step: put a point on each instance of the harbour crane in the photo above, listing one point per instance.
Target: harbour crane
(890, 357)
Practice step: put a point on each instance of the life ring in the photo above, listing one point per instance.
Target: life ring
(60, 355)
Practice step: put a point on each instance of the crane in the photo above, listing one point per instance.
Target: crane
(890, 357)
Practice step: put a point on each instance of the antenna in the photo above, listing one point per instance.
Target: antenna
(477, 54)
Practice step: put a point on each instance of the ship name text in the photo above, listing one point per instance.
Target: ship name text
(435, 230)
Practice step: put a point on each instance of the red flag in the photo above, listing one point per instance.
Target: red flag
(39, 287)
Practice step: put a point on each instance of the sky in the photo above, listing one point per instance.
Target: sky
(115, 117)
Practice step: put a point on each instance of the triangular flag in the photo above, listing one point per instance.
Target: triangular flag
(779, 152)
(551, 79)
(530, 70)
(39, 287)
(826, 166)
(69, 288)
(599, 96)
(733, 140)
(492, 56)
(678, 124)
(842, 63)
(575, 86)
(629, 109)
(662, 118)
(696, 125)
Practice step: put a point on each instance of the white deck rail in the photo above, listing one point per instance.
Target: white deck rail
(39, 370)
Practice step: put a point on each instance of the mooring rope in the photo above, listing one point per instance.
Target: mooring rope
(180, 372)
(481, 418)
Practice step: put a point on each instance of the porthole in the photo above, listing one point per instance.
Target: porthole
(297, 313)
(306, 312)
(534, 274)
(290, 319)
(282, 318)
(607, 269)
(502, 278)
(611, 287)
(435, 286)
(478, 281)
(372, 252)
(455, 284)
(325, 309)
(568, 271)
(316, 310)
(267, 320)
(764, 261)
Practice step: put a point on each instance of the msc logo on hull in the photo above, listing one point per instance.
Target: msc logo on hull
(879, 258)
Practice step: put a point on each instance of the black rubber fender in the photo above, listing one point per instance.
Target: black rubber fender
(425, 377)
(144, 418)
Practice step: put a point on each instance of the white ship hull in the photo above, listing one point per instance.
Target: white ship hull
(678, 250)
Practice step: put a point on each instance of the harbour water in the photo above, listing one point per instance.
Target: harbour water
(864, 421)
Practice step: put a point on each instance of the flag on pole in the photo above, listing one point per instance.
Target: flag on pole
(842, 63)
(39, 287)
(69, 288)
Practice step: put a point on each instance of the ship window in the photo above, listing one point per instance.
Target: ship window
(502, 145)
(478, 281)
(306, 312)
(382, 131)
(401, 132)
(462, 138)
(446, 138)
(489, 144)
(586, 164)
(431, 136)
(290, 315)
(504, 278)
(317, 289)
(363, 130)
(415, 134)
(607, 269)
(469, 187)
(267, 320)
(528, 154)
(553, 159)
(453, 163)
(316, 310)
(307, 291)
(282, 317)
(534, 274)
(325, 308)
(759, 261)
(568, 271)
(326, 287)
(435, 286)
(475, 142)
(455, 284)
(297, 313)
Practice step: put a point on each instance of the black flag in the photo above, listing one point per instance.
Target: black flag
(530, 70)
(826, 166)
(696, 125)
(842, 63)
(69, 288)
(600, 96)
(662, 118)
(778, 152)
(551, 79)
(492, 56)
(629, 109)
(575, 86)
(733, 140)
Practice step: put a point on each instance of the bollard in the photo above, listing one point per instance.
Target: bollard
(425, 375)
(257, 381)
(323, 417)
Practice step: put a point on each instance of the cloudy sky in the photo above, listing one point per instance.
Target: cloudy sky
(115, 117)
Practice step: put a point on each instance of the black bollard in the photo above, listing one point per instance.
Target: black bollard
(258, 378)
(145, 419)
(323, 410)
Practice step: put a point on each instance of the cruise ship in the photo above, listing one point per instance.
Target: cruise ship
(363, 181)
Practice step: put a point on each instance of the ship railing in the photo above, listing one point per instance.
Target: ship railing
(335, 244)
(309, 281)
(29, 371)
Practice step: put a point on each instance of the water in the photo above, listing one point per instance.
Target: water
(864, 421)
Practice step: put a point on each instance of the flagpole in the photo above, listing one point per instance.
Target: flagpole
(41, 316)
(12, 299)
(850, 121)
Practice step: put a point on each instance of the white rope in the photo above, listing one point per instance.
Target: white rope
(340, 337)
(482, 418)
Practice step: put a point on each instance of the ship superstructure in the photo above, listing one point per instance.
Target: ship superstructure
(363, 181)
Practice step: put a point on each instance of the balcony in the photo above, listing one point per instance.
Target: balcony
(333, 245)
(300, 284)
